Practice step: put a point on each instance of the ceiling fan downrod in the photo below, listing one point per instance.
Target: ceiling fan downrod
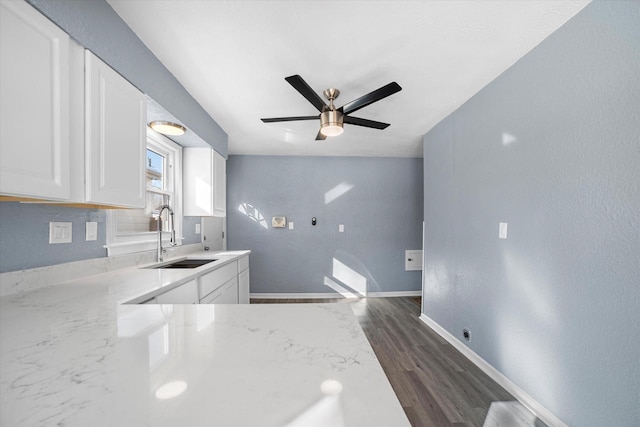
(331, 94)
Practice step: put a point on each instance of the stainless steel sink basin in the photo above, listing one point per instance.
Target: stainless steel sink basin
(187, 263)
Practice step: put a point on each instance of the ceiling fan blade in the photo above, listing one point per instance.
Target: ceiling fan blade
(320, 136)
(370, 98)
(289, 119)
(305, 90)
(364, 122)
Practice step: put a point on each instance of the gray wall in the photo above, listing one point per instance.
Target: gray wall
(189, 230)
(381, 212)
(96, 26)
(24, 235)
(552, 147)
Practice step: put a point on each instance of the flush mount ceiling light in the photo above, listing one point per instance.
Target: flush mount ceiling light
(332, 119)
(167, 128)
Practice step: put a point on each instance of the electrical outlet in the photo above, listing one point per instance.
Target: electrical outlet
(59, 232)
(341, 228)
(466, 334)
(197, 228)
(290, 225)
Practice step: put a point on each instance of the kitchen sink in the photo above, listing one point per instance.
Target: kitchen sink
(187, 263)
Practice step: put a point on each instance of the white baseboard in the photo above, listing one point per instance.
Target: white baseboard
(529, 402)
(326, 295)
(395, 294)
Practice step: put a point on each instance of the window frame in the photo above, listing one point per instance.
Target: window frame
(121, 244)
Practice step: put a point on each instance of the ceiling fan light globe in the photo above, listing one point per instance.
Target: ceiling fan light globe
(331, 130)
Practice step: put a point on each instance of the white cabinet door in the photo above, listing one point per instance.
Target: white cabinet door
(204, 182)
(183, 294)
(197, 181)
(115, 137)
(243, 287)
(34, 105)
(220, 186)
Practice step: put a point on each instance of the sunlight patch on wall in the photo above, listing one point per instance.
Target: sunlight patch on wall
(350, 277)
(529, 288)
(508, 139)
(337, 191)
(253, 214)
(340, 289)
(523, 349)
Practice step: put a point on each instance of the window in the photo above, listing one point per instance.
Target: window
(135, 230)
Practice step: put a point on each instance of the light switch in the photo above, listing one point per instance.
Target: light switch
(197, 228)
(341, 228)
(290, 225)
(502, 230)
(91, 231)
(59, 232)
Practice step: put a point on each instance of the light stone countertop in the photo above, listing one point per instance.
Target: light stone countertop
(73, 354)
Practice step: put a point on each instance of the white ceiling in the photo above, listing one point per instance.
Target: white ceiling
(233, 56)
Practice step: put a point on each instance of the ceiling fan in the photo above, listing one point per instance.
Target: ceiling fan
(332, 118)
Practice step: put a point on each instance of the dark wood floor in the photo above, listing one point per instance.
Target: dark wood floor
(435, 384)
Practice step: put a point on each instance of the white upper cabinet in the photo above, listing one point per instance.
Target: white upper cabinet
(34, 106)
(204, 182)
(115, 137)
(71, 128)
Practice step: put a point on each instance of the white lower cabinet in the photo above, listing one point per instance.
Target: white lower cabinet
(225, 294)
(183, 294)
(212, 281)
(228, 284)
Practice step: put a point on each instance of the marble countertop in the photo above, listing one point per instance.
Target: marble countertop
(73, 354)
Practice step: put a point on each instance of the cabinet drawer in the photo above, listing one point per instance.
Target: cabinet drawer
(212, 281)
(183, 294)
(243, 263)
(225, 294)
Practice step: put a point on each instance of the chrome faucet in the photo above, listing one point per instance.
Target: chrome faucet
(173, 230)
